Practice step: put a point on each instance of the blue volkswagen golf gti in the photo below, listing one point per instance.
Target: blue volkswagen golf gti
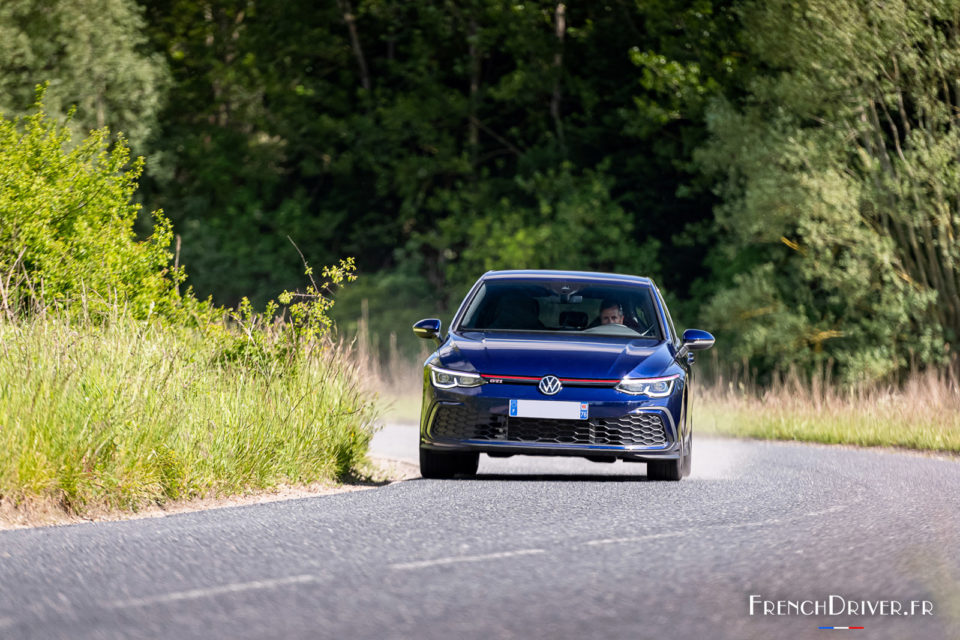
(558, 363)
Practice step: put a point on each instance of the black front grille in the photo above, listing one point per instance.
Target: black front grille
(462, 423)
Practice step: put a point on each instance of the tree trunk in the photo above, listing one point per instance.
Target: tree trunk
(473, 131)
(561, 30)
(351, 21)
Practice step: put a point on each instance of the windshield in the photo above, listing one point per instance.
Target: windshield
(578, 307)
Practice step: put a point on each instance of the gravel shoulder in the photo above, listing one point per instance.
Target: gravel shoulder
(381, 471)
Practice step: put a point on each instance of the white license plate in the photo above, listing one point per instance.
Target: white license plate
(549, 409)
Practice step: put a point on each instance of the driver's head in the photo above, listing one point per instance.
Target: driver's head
(611, 312)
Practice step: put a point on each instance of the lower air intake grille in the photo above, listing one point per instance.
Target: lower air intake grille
(462, 423)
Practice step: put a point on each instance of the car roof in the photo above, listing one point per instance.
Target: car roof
(548, 274)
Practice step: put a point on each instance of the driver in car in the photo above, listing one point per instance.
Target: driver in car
(611, 312)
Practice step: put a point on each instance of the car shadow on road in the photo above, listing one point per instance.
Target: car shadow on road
(547, 477)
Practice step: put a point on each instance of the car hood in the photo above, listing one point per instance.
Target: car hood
(565, 356)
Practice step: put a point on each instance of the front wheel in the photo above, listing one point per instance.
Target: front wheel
(671, 470)
(439, 464)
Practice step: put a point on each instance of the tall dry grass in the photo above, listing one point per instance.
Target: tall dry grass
(396, 379)
(920, 412)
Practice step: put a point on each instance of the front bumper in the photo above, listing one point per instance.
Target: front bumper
(618, 426)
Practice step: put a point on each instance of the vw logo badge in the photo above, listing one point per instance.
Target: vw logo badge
(549, 385)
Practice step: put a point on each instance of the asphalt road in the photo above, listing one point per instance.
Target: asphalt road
(532, 548)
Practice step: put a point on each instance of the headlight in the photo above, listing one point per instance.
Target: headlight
(653, 387)
(447, 379)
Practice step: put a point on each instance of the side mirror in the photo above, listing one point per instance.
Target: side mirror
(427, 329)
(697, 340)
(694, 340)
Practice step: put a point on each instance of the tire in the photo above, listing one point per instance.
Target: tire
(670, 470)
(687, 461)
(434, 464)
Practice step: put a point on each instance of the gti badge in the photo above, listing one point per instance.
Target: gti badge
(549, 385)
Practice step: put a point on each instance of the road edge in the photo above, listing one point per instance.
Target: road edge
(383, 471)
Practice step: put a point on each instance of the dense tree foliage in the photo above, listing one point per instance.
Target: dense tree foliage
(787, 170)
(92, 54)
(460, 134)
(435, 139)
(841, 199)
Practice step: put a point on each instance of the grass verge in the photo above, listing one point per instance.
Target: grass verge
(923, 414)
(124, 414)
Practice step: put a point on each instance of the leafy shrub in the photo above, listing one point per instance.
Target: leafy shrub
(66, 223)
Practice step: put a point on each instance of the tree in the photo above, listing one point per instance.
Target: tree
(841, 196)
(92, 54)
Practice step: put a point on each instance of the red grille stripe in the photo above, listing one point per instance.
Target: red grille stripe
(537, 379)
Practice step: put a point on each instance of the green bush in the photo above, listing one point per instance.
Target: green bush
(66, 223)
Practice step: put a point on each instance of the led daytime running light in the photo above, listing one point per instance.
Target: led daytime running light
(449, 379)
(651, 387)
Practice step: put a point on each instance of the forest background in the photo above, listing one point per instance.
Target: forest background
(787, 171)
